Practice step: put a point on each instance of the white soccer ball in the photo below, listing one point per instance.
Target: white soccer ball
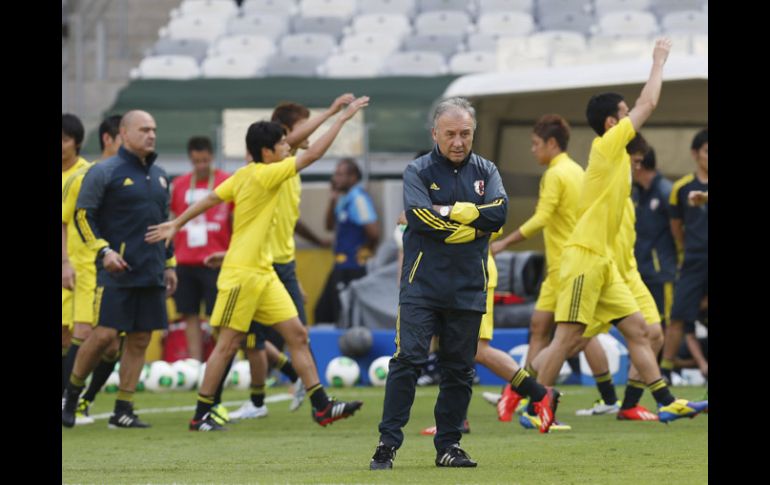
(186, 375)
(240, 375)
(194, 363)
(161, 377)
(378, 371)
(201, 373)
(342, 372)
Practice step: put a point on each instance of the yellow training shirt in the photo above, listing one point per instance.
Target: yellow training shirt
(606, 186)
(557, 204)
(254, 189)
(286, 216)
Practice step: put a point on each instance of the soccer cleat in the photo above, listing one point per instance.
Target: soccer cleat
(431, 430)
(599, 408)
(220, 415)
(636, 413)
(69, 408)
(248, 411)
(491, 397)
(126, 419)
(206, 423)
(507, 404)
(299, 395)
(383, 457)
(81, 413)
(528, 421)
(681, 408)
(454, 456)
(546, 408)
(334, 411)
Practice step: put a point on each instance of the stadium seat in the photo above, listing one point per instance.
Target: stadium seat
(663, 7)
(415, 64)
(443, 22)
(607, 6)
(446, 45)
(444, 5)
(621, 47)
(628, 23)
(485, 42)
(512, 24)
(298, 66)
(195, 27)
(545, 7)
(473, 61)
(327, 8)
(318, 46)
(557, 42)
(575, 20)
(686, 22)
(232, 66)
(180, 47)
(284, 8)
(378, 43)
(515, 53)
(269, 25)
(488, 6)
(220, 8)
(255, 45)
(352, 65)
(392, 24)
(167, 67)
(333, 26)
(700, 45)
(403, 7)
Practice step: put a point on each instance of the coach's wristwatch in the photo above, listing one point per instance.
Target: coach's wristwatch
(103, 252)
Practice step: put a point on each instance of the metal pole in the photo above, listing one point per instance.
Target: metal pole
(101, 50)
(77, 30)
(122, 29)
(367, 162)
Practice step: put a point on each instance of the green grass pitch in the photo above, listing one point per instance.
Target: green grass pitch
(289, 448)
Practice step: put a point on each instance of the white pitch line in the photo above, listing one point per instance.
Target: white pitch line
(176, 409)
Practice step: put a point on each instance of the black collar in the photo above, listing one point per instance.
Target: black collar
(439, 157)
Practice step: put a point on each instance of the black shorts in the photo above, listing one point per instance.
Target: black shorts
(196, 284)
(690, 288)
(139, 309)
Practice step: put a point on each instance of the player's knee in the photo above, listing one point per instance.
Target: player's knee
(297, 336)
(539, 327)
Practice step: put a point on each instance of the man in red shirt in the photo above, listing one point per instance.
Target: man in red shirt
(206, 234)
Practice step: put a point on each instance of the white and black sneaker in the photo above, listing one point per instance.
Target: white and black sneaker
(206, 423)
(383, 457)
(126, 419)
(454, 456)
(299, 395)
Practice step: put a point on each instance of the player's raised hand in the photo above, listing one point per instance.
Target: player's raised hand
(340, 102)
(662, 50)
(354, 107)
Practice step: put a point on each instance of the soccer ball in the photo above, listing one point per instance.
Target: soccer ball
(161, 377)
(186, 375)
(342, 372)
(240, 375)
(201, 373)
(378, 371)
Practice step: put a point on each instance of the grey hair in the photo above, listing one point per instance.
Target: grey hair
(454, 104)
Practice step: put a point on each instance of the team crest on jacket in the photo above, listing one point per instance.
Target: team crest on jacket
(478, 186)
(163, 182)
(654, 203)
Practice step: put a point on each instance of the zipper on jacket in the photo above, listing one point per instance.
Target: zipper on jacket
(122, 249)
(484, 270)
(414, 267)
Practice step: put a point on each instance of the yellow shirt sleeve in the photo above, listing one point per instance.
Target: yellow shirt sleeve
(550, 190)
(70, 198)
(273, 174)
(614, 141)
(226, 190)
